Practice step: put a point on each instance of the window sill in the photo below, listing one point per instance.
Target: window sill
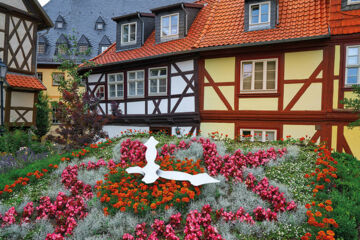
(135, 97)
(115, 98)
(157, 94)
(258, 94)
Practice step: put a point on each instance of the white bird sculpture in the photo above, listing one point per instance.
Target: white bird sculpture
(152, 172)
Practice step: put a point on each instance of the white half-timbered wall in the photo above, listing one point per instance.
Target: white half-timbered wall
(181, 97)
(2, 35)
(22, 107)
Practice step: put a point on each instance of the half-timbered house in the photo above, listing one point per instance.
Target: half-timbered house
(19, 22)
(265, 68)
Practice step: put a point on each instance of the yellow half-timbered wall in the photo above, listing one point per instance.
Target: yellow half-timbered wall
(306, 102)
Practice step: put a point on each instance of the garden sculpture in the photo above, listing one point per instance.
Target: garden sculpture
(152, 171)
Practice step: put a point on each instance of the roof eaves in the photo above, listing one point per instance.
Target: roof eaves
(177, 5)
(204, 49)
(132, 15)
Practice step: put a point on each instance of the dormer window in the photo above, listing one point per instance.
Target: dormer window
(128, 33)
(60, 22)
(260, 14)
(62, 44)
(83, 45)
(170, 25)
(100, 24)
(42, 45)
(104, 44)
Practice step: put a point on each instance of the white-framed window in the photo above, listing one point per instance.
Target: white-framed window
(259, 13)
(54, 120)
(259, 75)
(116, 86)
(158, 81)
(258, 135)
(128, 33)
(349, 2)
(39, 76)
(135, 83)
(100, 92)
(352, 74)
(170, 25)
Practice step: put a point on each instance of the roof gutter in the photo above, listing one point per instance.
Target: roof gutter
(205, 49)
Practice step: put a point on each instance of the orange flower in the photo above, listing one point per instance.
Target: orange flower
(328, 202)
(330, 233)
(329, 208)
(153, 206)
(318, 214)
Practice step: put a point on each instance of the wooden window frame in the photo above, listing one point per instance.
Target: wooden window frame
(170, 26)
(351, 66)
(116, 83)
(83, 49)
(263, 136)
(53, 80)
(158, 93)
(260, 5)
(264, 90)
(136, 80)
(41, 46)
(129, 42)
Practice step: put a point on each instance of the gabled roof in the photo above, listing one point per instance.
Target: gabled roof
(105, 41)
(60, 19)
(62, 40)
(84, 41)
(100, 20)
(22, 81)
(220, 23)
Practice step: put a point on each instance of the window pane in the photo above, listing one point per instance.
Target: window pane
(153, 86)
(153, 73)
(270, 136)
(165, 26)
(120, 90)
(259, 75)
(132, 88)
(255, 14)
(174, 24)
(163, 72)
(270, 81)
(247, 76)
(120, 77)
(354, 51)
(132, 75)
(352, 75)
(111, 78)
(258, 136)
(132, 32)
(246, 133)
(140, 75)
(125, 33)
(112, 90)
(140, 88)
(271, 65)
(265, 12)
(352, 60)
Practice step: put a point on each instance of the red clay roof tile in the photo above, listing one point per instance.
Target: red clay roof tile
(221, 22)
(22, 81)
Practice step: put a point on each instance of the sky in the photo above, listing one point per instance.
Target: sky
(43, 2)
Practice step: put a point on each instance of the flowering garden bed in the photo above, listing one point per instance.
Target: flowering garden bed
(265, 192)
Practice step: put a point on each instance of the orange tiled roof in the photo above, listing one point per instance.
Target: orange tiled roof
(343, 22)
(221, 22)
(22, 81)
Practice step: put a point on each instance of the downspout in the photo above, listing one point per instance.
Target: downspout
(277, 12)
(142, 29)
(186, 19)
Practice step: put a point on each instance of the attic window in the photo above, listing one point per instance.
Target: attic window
(83, 45)
(62, 44)
(260, 14)
(128, 33)
(60, 22)
(170, 25)
(100, 24)
(41, 48)
(104, 44)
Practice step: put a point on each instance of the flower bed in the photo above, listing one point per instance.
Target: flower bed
(121, 193)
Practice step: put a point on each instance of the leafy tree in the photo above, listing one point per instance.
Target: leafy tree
(42, 115)
(354, 104)
(76, 111)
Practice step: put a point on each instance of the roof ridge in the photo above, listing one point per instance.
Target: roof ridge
(208, 22)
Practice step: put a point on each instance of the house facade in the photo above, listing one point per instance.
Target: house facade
(19, 23)
(89, 22)
(268, 69)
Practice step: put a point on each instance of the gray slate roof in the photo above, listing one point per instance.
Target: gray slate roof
(81, 15)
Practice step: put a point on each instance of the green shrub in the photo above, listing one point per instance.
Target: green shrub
(42, 115)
